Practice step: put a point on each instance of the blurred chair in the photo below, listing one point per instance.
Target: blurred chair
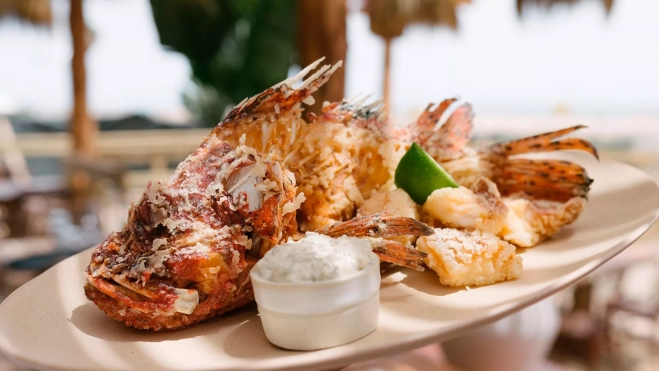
(585, 330)
(588, 322)
(23, 198)
(582, 333)
(41, 220)
(101, 192)
(625, 307)
(12, 162)
(24, 205)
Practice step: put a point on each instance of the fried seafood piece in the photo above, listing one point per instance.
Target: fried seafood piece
(553, 180)
(518, 219)
(470, 258)
(528, 222)
(553, 191)
(186, 250)
(398, 202)
(479, 208)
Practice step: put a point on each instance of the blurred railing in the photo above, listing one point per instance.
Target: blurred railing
(129, 145)
(153, 150)
(160, 148)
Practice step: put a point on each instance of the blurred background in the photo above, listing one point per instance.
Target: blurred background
(97, 98)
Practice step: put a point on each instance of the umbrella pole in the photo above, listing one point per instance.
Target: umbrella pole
(82, 126)
(387, 74)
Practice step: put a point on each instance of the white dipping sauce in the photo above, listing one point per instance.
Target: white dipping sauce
(315, 258)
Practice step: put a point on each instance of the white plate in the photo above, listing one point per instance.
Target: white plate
(49, 324)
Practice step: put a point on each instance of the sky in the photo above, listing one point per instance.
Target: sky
(574, 58)
(127, 68)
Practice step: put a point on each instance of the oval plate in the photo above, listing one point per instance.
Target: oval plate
(49, 324)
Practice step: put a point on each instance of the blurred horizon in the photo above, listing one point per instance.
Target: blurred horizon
(571, 59)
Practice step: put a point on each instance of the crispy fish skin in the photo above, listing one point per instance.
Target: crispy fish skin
(183, 255)
(212, 308)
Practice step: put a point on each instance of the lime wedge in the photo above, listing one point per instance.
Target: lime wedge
(419, 175)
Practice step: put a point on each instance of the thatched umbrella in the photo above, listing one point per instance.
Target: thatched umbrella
(39, 13)
(390, 17)
(608, 4)
(83, 128)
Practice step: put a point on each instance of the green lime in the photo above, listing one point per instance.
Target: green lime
(419, 175)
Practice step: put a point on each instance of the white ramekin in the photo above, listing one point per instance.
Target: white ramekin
(322, 314)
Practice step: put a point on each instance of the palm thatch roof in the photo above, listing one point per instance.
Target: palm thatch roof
(36, 12)
(547, 4)
(390, 17)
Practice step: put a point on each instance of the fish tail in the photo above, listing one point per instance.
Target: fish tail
(553, 180)
(546, 143)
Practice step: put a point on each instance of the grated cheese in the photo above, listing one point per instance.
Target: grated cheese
(292, 206)
(157, 243)
(187, 300)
